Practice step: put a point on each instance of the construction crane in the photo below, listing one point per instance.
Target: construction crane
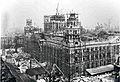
(54, 67)
(57, 13)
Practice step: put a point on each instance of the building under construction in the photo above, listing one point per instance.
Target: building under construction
(30, 29)
(62, 44)
(73, 55)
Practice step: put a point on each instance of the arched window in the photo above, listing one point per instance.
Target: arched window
(103, 55)
(76, 43)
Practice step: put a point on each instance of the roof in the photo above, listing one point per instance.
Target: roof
(101, 69)
(58, 17)
(57, 38)
(57, 41)
(35, 71)
(19, 77)
(114, 38)
(26, 78)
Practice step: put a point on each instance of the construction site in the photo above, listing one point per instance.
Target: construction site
(64, 52)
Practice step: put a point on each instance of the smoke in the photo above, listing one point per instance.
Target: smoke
(5, 6)
(4, 25)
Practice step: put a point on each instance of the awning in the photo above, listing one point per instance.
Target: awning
(101, 69)
(35, 71)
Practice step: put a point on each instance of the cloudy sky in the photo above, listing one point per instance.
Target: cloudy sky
(15, 12)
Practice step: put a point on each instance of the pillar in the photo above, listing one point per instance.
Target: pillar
(90, 57)
(98, 56)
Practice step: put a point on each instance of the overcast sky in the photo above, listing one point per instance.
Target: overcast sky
(15, 12)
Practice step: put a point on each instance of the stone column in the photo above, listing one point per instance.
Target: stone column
(82, 54)
(90, 57)
(106, 54)
(98, 56)
(111, 53)
(82, 65)
(94, 57)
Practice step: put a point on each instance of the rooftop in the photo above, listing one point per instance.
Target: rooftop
(101, 69)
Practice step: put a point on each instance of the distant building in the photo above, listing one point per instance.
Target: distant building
(12, 42)
(29, 29)
(54, 23)
(6, 42)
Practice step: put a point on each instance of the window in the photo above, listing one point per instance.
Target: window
(96, 56)
(92, 56)
(103, 55)
(108, 48)
(75, 51)
(84, 50)
(75, 31)
(70, 37)
(96, 48)
(74, 23)
(108, 54)
(66, 60)
(84, 58)
(103, 47)
(92, 49)
(77, 69)
(100, 48)
(92, 64)
(76, 42)
(88, 65)
(96, 64)
(76, 59)
(104, 63)
(67, 32)
(117, 49)
(88, 57)
(109, 61)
